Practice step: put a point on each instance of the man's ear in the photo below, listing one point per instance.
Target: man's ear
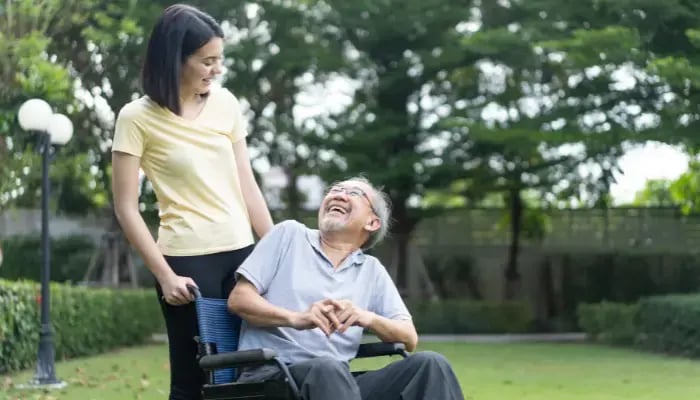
(373, 224)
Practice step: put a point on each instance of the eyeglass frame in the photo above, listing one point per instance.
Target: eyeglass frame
(335, 189)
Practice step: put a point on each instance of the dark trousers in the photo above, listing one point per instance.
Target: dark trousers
(421, 376)
(214, 274)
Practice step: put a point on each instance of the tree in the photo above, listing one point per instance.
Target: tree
(281, 50)
(101, 43)
(682, 192)
(397, 53)
(546, 95)
(26, 71)
(656, 193)
(506, 107)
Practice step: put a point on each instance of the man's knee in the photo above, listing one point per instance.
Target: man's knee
(428, 358)
(328, 366)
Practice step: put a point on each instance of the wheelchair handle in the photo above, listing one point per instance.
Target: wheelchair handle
(195, 291)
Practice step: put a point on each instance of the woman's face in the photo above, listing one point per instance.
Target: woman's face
(201, 67)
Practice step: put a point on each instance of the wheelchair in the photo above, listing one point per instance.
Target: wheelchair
(220, 358)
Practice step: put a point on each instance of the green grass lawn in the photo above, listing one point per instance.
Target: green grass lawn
(486, 372)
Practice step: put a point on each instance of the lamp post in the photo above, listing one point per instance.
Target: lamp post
(36, 116)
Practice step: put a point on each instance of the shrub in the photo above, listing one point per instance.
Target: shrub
(85, 321)
(608, 322)
(70, 257)
(467, 316)
(670, 324)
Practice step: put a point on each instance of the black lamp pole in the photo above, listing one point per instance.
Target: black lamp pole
(45, 367)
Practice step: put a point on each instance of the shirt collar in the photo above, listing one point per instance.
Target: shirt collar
(314, 237)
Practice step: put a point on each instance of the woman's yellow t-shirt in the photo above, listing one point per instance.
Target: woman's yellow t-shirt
(192, 167)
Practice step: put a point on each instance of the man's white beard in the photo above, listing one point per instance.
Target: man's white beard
(331, 225)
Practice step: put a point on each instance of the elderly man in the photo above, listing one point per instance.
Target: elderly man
(309, 294)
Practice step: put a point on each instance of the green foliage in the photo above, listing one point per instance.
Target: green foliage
(465, 316)
(686, 189)
(490, 43)
(656, 193)
(79, 185)
(50, 51)
(585, 47)
(682, 192)
(282, 49)
(85, 321)
(69, 258)
(28, 70)
(401, 54)
(606, 276)
(670, 324)
(535, 223)
(607, 322)
(678, 71)
(694, 37)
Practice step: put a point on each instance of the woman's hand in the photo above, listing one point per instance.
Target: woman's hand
(175, 291)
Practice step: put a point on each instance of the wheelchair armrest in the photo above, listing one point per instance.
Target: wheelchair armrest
(237, 359)
(381, 349)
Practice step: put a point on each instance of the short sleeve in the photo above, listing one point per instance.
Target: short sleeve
(262, 264)
(128, 135)
(386, 300)
(240, 123)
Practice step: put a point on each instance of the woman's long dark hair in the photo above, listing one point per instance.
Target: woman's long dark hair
(179, 32)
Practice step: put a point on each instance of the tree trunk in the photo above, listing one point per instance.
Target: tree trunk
(546, 298)
(293, 197)
(422, 278)
(402, 241)
(111, 264)
(512, 275)
(403, 228)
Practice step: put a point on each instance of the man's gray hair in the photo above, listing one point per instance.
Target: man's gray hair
(381, 205)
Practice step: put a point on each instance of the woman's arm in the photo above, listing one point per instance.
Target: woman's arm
(125, 183)
(255, 202)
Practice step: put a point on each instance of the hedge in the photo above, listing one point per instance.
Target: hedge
(70, 257)
(667, 324)
(608, 322)
(670, 324)
(85, 321)
(470, 316)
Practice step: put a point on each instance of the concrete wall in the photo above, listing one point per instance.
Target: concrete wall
(28, 222)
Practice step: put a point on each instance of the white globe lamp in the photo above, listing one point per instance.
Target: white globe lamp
(34, 115)
(60, 129)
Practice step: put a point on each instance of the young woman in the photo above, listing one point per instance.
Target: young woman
(189, 136)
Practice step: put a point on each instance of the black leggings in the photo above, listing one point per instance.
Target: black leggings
(214, 274)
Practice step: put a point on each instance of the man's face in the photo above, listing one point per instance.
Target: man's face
(346, 206)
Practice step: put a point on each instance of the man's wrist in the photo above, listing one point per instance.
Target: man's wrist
(290, 318)
(371, 319)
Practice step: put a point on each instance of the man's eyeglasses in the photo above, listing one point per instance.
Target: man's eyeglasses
(352, 191)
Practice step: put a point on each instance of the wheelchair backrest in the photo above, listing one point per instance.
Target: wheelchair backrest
(218, 330)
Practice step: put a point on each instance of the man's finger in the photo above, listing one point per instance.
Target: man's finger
(344, 315)
(320, 315)
(352, 320)
(349, 322)
(320, 307)
(335, 322)
(322, 324)
(338, 305)
(326, 302)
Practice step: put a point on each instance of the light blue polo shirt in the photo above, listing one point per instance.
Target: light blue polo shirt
(289, 270)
